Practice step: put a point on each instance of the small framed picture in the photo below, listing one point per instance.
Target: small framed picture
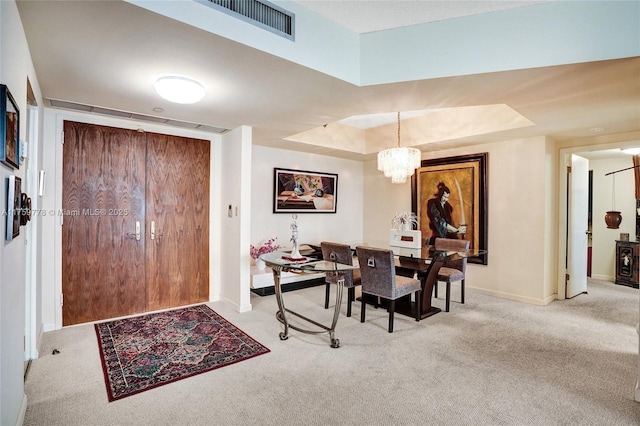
(299, 191)
(14, 209)
(9, 129)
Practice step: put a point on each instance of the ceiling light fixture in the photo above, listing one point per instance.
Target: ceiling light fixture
(399, 163)
(180, 90)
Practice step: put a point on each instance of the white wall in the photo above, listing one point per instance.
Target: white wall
(343, 226)
(15, 68)
(604, 239)
(519, 176)
(235, 230)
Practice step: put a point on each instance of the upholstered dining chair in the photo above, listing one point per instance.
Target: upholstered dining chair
(452, 270)
(379, 279)
(341, 253)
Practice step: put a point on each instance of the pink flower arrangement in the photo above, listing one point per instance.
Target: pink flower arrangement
(267, 247)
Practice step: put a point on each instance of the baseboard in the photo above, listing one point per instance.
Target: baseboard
(48, 327)
(510, 296)
(23, 410)
(601, 277)
(268, 291)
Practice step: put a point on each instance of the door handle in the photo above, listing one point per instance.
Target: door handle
(137, 232)
(153, 230)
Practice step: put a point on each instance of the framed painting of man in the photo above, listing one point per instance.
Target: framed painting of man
(449, 196)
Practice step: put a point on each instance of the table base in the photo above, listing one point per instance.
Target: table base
(281, 314)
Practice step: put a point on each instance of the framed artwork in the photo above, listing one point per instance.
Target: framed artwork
(14, 193)
(449, 196)
(9, 129)
(299, 191)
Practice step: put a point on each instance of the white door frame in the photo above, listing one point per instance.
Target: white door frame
(564, 160)
(32, 240)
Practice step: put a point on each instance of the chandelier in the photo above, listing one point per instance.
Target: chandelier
(398, 163)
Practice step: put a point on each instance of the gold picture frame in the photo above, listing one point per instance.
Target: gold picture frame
(449, 196)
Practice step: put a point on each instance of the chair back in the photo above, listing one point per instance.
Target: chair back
(340, 253)
(378, 271)
(450, 244)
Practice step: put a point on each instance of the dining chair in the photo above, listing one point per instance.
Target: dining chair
(340, 253)
(452, 270)
(379, 279)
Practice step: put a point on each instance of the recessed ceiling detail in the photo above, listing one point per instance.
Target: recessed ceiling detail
(366, 134)
(74, 106)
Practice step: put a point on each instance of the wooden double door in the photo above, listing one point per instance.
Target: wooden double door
(135, 234)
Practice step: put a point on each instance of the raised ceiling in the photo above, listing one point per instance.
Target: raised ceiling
(107, 54)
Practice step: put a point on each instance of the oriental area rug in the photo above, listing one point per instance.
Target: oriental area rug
(144, 352)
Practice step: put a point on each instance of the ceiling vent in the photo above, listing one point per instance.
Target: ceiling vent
(73, 106)
(260, 13)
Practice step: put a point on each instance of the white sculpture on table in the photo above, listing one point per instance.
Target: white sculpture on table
(294, 237)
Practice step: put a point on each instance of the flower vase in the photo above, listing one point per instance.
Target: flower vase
(260, 264)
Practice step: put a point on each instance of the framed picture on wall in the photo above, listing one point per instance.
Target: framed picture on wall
(14, 192)
(449, 196)
(300, 191)
(9, 129)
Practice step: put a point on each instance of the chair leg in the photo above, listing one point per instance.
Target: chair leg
(327, 292)
(435, 290)
(462, 291)
(351, 295)
(392, 309)
(362, 308)
(448, 296)
(418, 305)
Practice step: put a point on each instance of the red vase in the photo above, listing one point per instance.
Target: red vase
(613, 219)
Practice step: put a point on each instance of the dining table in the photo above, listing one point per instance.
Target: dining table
(425, 263)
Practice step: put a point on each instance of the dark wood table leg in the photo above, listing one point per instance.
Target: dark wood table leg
(427, 274)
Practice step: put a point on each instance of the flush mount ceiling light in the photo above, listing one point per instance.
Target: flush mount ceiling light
(400, 162)
(180, 90)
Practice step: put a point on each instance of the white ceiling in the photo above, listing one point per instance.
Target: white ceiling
(364, 16)
(104, 53)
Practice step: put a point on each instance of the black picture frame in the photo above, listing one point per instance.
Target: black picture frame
(466, 178)
(9, 129)
(302, 191)
(14, 208)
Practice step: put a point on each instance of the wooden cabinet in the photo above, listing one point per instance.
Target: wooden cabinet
(628, 263)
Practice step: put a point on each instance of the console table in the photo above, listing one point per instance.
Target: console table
(279, 263)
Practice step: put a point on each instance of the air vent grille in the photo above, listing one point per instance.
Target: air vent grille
(73, 106)
(258, 12)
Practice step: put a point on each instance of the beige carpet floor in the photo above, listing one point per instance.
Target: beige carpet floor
(488, 362)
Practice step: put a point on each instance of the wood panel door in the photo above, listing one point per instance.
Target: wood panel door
(177, 221)
(102, 199)
(114, 179)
